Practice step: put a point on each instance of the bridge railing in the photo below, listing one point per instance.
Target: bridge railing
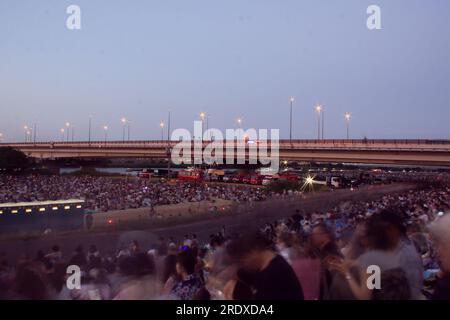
(293, 141)
(354, 144)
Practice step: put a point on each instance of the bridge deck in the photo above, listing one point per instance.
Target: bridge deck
(427, 152)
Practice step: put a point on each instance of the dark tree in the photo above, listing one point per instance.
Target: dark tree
(11, 159)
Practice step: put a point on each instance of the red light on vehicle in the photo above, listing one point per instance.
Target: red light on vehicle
(110, 221)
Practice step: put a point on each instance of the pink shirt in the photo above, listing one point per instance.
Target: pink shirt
(307, 271)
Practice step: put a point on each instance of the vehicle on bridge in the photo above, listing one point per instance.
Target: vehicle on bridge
(191, 175)
(215, 175)
(256, 179)
(268, 180)
(238, 177)
(289, 176)
(246, 179)
(145, 174)
(332, 181)
(329, 181)
(164, 173)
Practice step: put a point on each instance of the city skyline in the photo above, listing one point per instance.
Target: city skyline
(230, 60)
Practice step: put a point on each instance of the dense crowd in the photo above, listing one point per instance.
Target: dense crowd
(108, 193)
(311, 255)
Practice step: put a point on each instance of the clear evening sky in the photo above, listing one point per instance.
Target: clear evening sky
(228, 58)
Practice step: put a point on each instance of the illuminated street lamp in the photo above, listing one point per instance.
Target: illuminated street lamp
(202, 117)
(105, 128)
(161, 124)
(124, 123)
(62, 134)
(25, 127)
(319, 110)
(239, 122)
(68, 130)
(347, 121)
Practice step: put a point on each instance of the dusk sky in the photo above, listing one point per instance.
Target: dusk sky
(230, 59)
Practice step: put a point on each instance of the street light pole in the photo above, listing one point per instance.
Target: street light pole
(124, 123)
(291, 100)
(25, 127)
(161, 124)
(106, 133)
(168, 146)
(202, 117)
(319, 111)
(323, 121)
(68, 129)
(89, 133)
(347, 120)
(207, 127)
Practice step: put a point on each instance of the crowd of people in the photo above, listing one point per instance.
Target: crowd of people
(327, 255)
(109, 193)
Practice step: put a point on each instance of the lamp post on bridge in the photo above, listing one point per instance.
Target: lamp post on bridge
(323, 122)
(239, 122)
(202, 117)
(161, 125)
(105, 128)
(34, 133)
(319, 110)
(25, 128)
(207, 126)
(124, 123)
(291, 101)
(68, 130)
(168, 144)
(62, 134)
(89, 132)
(347, 121)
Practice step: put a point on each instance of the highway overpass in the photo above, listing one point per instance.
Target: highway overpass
(410, 152)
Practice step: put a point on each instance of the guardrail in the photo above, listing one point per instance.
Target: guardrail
(281, 142)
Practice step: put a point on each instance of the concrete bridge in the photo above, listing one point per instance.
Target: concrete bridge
(411, 152)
